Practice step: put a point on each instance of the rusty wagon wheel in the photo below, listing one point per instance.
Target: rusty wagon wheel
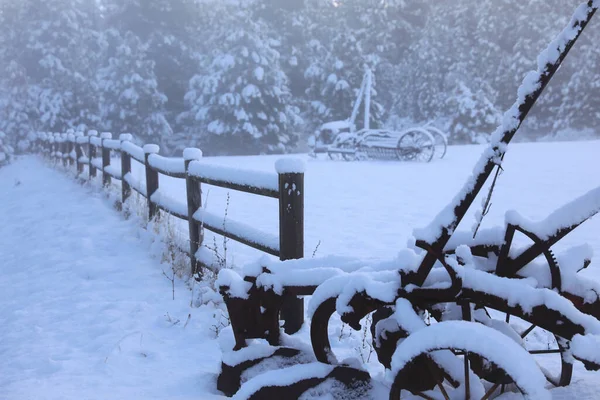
(555, 346)
(558, 367)
(450, 351)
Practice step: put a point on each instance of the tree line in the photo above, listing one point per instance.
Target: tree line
(258, 76)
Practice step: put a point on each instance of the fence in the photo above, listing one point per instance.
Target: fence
(287, 185)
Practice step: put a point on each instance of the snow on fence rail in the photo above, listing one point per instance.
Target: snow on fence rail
(260, 183)
(285, 184)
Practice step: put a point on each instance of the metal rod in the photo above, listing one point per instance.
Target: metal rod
(423, 395)
(467, 377)
(551, 351)
(439, 383)
(528, 331)
(491, 391)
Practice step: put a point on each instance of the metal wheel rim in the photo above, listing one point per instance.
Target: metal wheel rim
(566, 368)
(415, 146)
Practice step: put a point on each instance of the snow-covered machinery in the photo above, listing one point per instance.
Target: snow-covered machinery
(457, 315)
(341, 140)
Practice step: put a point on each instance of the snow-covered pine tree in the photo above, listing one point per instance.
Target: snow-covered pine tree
(334, 81)
(173, 33)
(337, 60)
(474, 115)
(579, 106)
(383, 31)
(241, 102)
(18, 106)
(412, 47)
(570, 101)
(442, 43)
(130, 99)
(59, 57)
(288, 22)
(509, 35)
(212, 22)
(6, 151)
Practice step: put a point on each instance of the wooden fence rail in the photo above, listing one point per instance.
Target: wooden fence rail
(94, 152)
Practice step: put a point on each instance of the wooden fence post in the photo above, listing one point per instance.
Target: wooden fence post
(50, 147)
(78, 152)
(91, 155)
(56, 147)
(59, 147)
(72, 151)
(291, 231)
(45, 144)
(67, 149)
(194, 202)
(125, 168)
(53, 146)
(63, 148)
(151, 179)
(70, 138)
(105, 157)
(36, 143)
(70, 148)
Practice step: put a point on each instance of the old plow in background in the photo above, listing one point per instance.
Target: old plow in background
(340, 140)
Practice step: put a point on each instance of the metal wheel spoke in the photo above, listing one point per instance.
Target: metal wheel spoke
(491, 391)
(550, 351)
(423, 395)
(467, 377)
(440, 383)
(528, 331)
(443, 390)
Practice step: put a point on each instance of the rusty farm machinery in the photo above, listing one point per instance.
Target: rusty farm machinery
(450, 316)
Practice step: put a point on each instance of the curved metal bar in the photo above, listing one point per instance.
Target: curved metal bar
(319, 334)
(540, 315)
(351, 378)
(566, 371)
(399, 379)
(438, 133)
(509, 267)
(362, 306)
(433, 295)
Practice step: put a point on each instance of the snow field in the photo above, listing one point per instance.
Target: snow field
(368, 210)
(361, 210)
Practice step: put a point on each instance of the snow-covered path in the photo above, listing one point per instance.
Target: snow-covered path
(83, 305)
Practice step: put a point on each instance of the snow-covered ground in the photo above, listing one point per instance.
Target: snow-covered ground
(85, 307)
(85, 312)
